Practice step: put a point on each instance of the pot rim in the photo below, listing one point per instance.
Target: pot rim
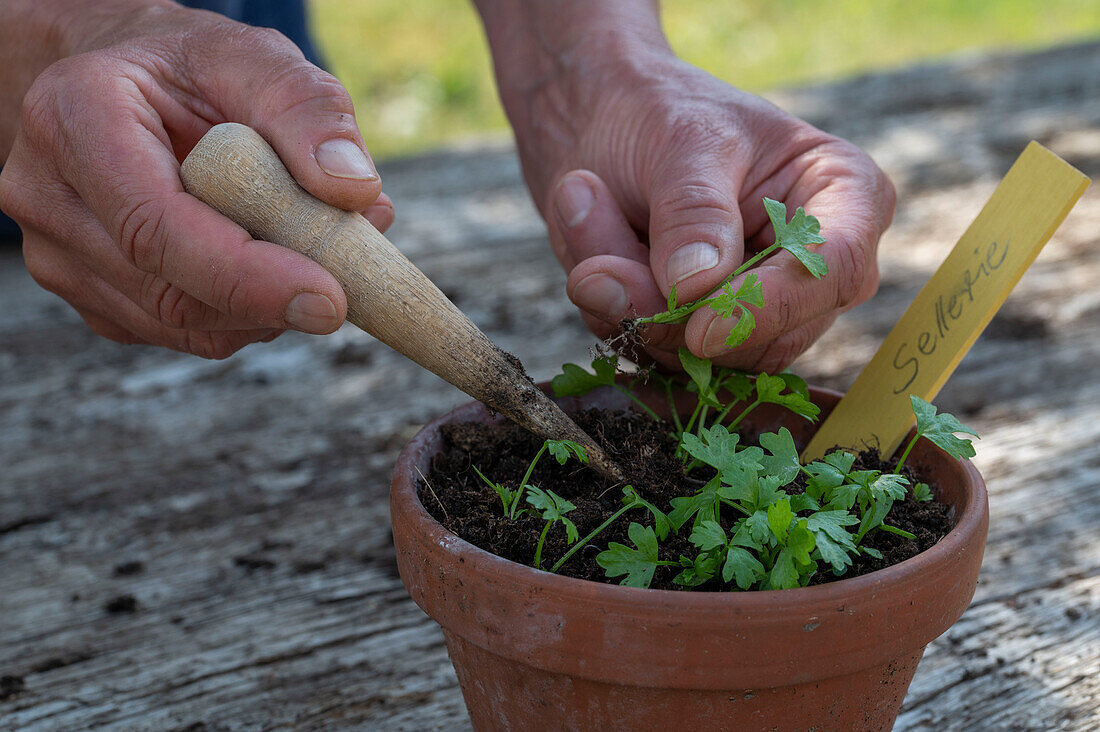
(969, 519)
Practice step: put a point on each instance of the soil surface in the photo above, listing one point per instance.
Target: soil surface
(459, 499)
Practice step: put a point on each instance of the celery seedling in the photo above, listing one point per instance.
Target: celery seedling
(940, 430)
(794, 236)
(553, 508)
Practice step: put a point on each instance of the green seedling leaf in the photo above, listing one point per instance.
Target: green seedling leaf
(922, 492)
(751, 291)
(780, 517)
(841, 460)
(741, 331)
(562, 450)
(822, 477)
(716, 446)
(842, 497)
(940, 429)
(783, 460)
(506, 494)
(738, 383)
(800, 542)
(742, 567)
(834, 542)
(784, 575)
(699, 570)
(889, 485)
(553, 508)
(795, 384)
(575, 381)
(802, 231)
(804, 502)
(767, 491)
(873, 518)
(772, 390)
(834, 554)
(727, 302)
(699, 505)
(638, 563)
(758, 528)
(698, 369)
(752, 534)
(660, 520)
(707, 535)
(871, 552)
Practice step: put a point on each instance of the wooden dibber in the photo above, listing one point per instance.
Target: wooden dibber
(235, 171)
(953, 308)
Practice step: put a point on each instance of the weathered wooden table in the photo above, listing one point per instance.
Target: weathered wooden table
(205, 545)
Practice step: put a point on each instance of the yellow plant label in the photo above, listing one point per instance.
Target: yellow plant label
(954, 307)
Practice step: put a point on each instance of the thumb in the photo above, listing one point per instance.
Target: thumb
(305, 113)
(695, 231)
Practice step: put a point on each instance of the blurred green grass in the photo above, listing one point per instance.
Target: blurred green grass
(420, 73)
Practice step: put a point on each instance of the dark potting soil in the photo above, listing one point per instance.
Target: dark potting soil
(456, 497)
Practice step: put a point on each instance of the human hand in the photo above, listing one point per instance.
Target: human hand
(650, 173)
(93, 178)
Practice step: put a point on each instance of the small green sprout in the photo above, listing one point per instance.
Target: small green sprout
(795, 236)
(639, 563)
(561, 450)
(939, 429)
(553, 508)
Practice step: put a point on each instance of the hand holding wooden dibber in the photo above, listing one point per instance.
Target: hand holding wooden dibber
(236, 172)
(954, 307)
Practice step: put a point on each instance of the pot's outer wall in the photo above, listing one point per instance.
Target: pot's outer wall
(531, 644)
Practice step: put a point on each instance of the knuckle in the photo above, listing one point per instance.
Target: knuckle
(304, 86)
(166, 302)
(779, 354)
(854, 272)
(38, 113)
(142, 234)
(785, 316)
(231, 295)
(694, 196)
(663, 337)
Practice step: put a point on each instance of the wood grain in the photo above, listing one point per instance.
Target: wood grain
(253, 490)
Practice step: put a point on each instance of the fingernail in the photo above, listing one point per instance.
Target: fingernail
(601, 294)
(342, 158)
(690, 259)
(714, 340)
(573, 200)
(311, 313)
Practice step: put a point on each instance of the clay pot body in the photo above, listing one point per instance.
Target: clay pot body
(537, 651)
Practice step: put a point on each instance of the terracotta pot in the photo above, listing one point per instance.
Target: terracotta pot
(536, 651)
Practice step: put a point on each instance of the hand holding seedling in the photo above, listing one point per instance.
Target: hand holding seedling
(649, 173)
(616, 136)
(112, 98)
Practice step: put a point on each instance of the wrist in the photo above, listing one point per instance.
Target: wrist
(569, 48)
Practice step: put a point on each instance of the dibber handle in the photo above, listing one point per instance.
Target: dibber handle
(235, 171)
